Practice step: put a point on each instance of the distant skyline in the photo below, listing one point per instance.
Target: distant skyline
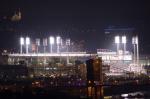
(78, 20)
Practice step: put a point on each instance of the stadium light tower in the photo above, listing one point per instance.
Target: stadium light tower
(37, 41)
(51, 39)
(45, 44)
(117, 41)
(124, 41)
(58, 42)
(21, 44)
(134, 50)
(135, 43)
(68, 44)
(27, 44)
(137, 48)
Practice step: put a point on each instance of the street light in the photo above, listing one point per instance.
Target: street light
(21, 44)
(117, 41)
(27, 44)
(51, 39)
(58, 42)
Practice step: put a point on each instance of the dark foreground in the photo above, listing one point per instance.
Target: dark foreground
(39, 95)
(115, 92)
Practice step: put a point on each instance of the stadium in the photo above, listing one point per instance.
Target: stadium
(54, 57)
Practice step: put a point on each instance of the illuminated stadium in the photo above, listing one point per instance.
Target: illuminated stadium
(122, 61)
(57, 58)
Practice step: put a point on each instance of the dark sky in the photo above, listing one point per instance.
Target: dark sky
(79, 20)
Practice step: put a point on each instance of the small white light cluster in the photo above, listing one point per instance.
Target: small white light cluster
(58, 40)
(24, 41)
(117, 40)
(135, 40)
(51, 40)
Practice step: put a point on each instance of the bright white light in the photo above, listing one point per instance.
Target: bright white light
(51, 40)
(47, 68)
(135, 40)
(21, 41)
(117, 39)
(27, 40)
(124, 40)
(124, 95)
(58, 40)
(80, 54)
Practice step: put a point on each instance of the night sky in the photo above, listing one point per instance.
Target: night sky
(78, 20)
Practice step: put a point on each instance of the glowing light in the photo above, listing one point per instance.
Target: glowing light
(136, 40)
(21, 41)
(80, 54)
(133, 40)
(124, 95)
(58, 40)
(52, 40)
(117, 39)
(27, 40)
(124, 40)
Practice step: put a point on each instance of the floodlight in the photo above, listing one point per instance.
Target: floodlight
(21, 41)
(21, 44)
(136, 40)
(27, 44)
(27, 40)
(133, 40)
(52, 40)
(124, 40)
(58, 40)
(135, 43)
(117, 39)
